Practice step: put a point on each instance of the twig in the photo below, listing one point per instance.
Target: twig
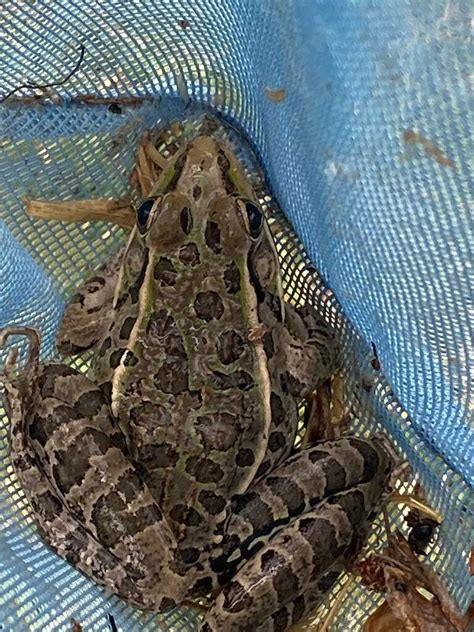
(42, 86)
(119, 212)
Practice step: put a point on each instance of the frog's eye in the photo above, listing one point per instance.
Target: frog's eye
(144, 213)
(253, 218)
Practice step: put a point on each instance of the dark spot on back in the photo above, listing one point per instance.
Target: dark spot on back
(90, 403)
(211, 502)
(128, 485)
(218, 431)
(285, 583)
(165, 272)
(167, 604)
(277, 408)
(154, 415)
(189, 254)
(335, 476)
(73, 464)
(186, 220)
(178, 167)
(160, 324)
(197, 192)
(245, 457)
(276, 441)
(232, 278)
(105, 346)
(126, 328)
(134, 290)
(289, 492)
(159, 455)
(203, 586)
(268, 344)
(208, 306)
(224, 165)
(115, 358)
(237, 379)
(190, 556)
(172, 376)
(280, 620)
(43, 427)
(353, 504)
(188, 516)
(263, 469)
(230, 347)
(212, 236)
(204, 470)
(255, 510)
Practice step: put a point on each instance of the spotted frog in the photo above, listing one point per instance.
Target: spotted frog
(171, 472)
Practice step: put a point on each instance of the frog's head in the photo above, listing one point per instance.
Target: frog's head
(205, 197)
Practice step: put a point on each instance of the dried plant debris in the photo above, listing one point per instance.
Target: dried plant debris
(414, 594)
(412, 137)
(76, 626)
(276, 94)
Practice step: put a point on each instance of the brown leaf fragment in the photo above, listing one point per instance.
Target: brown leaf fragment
(410, 136)
(76, 626)
(276, 94)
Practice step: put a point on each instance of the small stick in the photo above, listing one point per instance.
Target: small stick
(119, 212)
(413, 502)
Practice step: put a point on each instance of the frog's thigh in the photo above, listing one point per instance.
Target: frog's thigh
(324, 494)
(294, 564)
(85, 318)
(90, 504)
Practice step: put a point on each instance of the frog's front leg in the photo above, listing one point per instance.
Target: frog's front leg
(296, 529)
(310, 350)
(89, 503)
(86, 316)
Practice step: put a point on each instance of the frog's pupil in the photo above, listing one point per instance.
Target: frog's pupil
(143, 212)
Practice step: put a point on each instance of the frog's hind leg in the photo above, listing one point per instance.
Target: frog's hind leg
(292, 533)
(88, 501)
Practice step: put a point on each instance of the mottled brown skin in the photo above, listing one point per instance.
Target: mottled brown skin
(169, 474)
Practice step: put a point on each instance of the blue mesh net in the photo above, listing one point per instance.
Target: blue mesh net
(359, 114)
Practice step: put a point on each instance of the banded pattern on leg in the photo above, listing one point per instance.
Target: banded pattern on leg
(299, 484)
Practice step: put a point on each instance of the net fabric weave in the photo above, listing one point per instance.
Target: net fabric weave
(368, 155)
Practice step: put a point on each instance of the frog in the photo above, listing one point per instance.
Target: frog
(171, 471)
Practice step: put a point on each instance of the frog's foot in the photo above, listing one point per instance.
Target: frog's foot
(292, 533)
(89, 503)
